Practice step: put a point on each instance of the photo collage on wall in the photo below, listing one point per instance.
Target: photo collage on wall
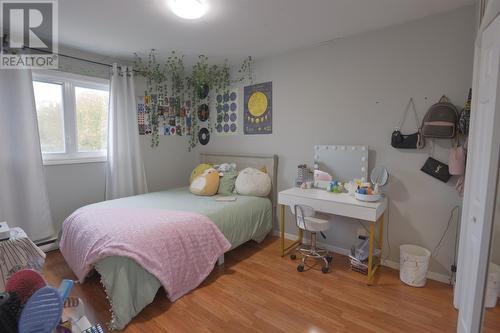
(227, 106)
(177, 120)
(172, 120)
(258, 111)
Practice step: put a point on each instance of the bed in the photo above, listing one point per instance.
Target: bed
(129, 286)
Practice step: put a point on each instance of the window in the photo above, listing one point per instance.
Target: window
(72, 113)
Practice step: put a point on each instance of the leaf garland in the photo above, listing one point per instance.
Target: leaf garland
(170, 79)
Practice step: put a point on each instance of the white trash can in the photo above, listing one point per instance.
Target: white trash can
(414, 262)
(492, 286)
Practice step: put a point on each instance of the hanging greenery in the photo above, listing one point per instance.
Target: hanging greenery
(169, 80)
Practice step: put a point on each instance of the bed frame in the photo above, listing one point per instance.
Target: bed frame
(249, 161)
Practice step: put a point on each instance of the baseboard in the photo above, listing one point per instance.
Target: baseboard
(430, 275)
(388, 263)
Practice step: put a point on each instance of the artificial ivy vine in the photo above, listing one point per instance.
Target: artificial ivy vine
(169, 79)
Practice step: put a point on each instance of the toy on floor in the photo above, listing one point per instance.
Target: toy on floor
(25, 283)
(94, 329)
(35, 307)
(10, 306)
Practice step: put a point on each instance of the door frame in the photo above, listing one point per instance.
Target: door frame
(470, 287)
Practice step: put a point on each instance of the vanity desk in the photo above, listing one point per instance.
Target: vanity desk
(336, 204)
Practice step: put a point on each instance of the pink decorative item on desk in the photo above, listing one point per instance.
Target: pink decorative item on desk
(321, 175)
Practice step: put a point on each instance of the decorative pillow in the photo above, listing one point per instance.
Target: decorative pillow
(225, 167)
(253, 182)
(227, 182)
(198, 171)
(205, 184)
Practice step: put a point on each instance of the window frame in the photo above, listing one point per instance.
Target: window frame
(69, 81)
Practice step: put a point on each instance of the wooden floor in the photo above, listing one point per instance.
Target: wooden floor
(258, 291)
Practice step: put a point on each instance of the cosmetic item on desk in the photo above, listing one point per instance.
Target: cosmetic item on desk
(335, 187)
(351, 187)
(306, 185)
(304, 174)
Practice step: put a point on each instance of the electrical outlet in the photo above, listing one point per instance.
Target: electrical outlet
(362, 233)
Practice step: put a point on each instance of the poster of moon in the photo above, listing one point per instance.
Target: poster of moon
(258, 109)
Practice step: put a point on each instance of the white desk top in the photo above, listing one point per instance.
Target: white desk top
(333, 203)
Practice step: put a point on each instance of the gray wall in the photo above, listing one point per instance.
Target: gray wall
(354, 91)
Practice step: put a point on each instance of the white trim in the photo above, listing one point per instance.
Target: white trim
(52, 76)
(387, 263)
(430, 275)
(69, 82)
(83, 160)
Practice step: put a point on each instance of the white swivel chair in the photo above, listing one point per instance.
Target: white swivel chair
(306, 221)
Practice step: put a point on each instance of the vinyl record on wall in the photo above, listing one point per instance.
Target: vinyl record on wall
(203, 112)
(204, 136)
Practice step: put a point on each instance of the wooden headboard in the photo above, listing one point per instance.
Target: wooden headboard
(249, 161)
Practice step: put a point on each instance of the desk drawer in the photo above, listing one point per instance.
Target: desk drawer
(333, 207)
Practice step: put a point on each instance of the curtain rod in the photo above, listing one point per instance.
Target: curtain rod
(65, 55)
(70, 57)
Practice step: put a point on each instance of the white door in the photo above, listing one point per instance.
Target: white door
(481, 180)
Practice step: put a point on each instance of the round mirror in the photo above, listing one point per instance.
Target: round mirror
(379, 176)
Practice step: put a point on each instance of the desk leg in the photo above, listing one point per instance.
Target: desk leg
(370, 254)
(381, 234)
(292, 246)
(282, 229)
(371, 267)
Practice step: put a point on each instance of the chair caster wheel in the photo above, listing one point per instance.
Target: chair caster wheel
(329, 259)
(293, 256)
(324, 269)
(300, 268)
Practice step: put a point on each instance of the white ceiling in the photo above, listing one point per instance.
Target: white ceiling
(232, 28)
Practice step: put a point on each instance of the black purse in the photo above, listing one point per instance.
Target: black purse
(436, 169)
(408, 141)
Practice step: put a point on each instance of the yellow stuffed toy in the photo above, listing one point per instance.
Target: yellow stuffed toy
(198, 171)
(205, 184)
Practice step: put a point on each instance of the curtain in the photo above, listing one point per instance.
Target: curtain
(125, 174)
(23, 194)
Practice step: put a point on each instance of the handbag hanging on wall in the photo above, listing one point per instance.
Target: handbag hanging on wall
(436, 169)
(456, 162)
(408, 141)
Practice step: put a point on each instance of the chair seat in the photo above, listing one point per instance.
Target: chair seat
(315, 224)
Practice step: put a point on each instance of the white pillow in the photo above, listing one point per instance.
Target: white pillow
(253, 182)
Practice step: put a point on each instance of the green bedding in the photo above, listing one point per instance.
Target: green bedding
(247, 218)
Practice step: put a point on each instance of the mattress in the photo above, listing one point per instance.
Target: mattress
(130, 288)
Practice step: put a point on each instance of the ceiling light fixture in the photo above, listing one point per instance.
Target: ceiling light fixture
(189, 9)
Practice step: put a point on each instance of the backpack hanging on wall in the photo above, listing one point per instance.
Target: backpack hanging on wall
(441, 120)
(408, 141)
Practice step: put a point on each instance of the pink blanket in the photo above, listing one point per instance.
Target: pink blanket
(178, 248)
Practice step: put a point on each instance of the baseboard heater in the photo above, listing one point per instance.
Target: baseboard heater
(48, 245)
(46, 242)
